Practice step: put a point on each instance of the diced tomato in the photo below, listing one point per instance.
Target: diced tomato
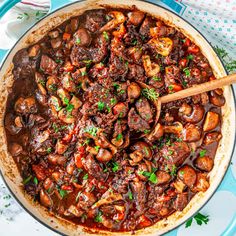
(119, 216)
(78, 156)
(144, 221)
(193, 49)
(67, 188)
(40, 172)
(187, 42)
(68, 67)
(183, 62)
(66, 36)
(212, 78)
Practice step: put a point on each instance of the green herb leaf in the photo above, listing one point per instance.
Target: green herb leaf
(153, 178)
(78, 41)
(62, 193)
(130, 194)
(173, 170)
(202, 153)
(91, 130)
(190, 57)
(36, 181)
(150, 94)
(105, 35)
(97, 148)
(189, 223)
(119, 137)
(187, 72)
(113, 101)
(49, 150)
(27, 180)
(98, 217)
(134, 42)
(85, 177)
(199, 218)
(156, 78)
(115, 166)
(101, 106)
(146, 131)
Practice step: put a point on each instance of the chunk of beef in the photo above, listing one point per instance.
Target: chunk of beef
(79, 55)
(140, 195)
(48, 65)
(136, 72)
(181, 201)
(144, 109)
(94, 20)
(136, 122)
(118, 68)
(93, 167)
(146, 25)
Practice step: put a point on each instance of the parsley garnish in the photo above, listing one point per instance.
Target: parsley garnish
(146, 131)
(190, 57)
(130, 195)
(115, 166)
(105, 35)
(91, 130)
(36, 181)
(119, 137)
(101, 106)
(62, 193)
(49, 150)
(85, 177)
(113, 101)
(156, 78)
(78, 40)
(186, 71)
(173, 171)
(69, 107)
(199, 218)
(202, 153)
(98, 217)
(150, 94)
(26, 181)
(151, 176)
(97, 148)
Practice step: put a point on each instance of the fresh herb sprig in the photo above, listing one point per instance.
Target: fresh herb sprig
(199, 218)
(150, 94)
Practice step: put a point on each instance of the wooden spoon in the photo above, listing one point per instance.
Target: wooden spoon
(200, 88)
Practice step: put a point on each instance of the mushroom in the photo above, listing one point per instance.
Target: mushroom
(136, 156)
(195, 116)
(45, 199)
(68, 83)
(73, 211)
(34, 50)
(162, 46)
(75, 102)
(141, 148)
(141, 168)
(25, 105)
(107, 198)
(19, 122)
(191, 133)
(52, 83)
(104, 155)
(55, 103)
(61, 147)
(211, 121)
(212, 137)
(151, 68)
(175, 128)
(162, 177)
(120, 109)
(156, 133)
(217, 99)
(118, 18)
(82, 37)
(179, 185)
(202, 183)
(15, 149)
(56, 43)
(134, 91)
(204, 163)
(136, 17)
(188, 175)
(119, 33)
(66, 116)
(63, 95)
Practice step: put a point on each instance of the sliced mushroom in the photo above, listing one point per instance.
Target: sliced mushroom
(45, 199)
(136, 17)
(162, 46)
(175, 128)
(61, 147)
(188, 175)
(52, 83)
(143, 148)
(104, 155)
(66, 116)
(179, 185)
(25, 105)
(212, 137)
(74, 211)
(119, 33)
(63, 95)
(68, 83)
(191, 133)
(156, 133)
(15, 149)
(151, 68)
(19, 122)
(118, 18)
(134, 91)
(162, 177)
(211, 121)
(202, 183)
(75, 102)
(136, 156)
(141, 168)
(34, 50)
(107, 198)
(195, 116)
(55, 103)
(204, 163)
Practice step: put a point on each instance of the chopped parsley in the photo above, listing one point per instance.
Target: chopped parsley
(173, 171)
(83, 73)
(69, 107)
(170, 87)
(105, 35)
(97, 148)
(53, 87)
(199, 218)
(98, 217)
(91, 130)
(49, 150)
(190, 57)
(146, 131)
(202, 153)
(85, 177)
(113, 101)
(186, 71)
(151, 176)
(78, 40)
(101, 105)
(150, 94)
(115, 166)
(27, 180)
(130, 194)
(42, 82)
(36, 181)
(134, 42)
(156, 78)
(62, 193)
(119, 137)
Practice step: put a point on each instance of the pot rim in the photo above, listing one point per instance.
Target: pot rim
(221, 63)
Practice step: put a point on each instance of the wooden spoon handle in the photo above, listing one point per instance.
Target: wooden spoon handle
(200, 88)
